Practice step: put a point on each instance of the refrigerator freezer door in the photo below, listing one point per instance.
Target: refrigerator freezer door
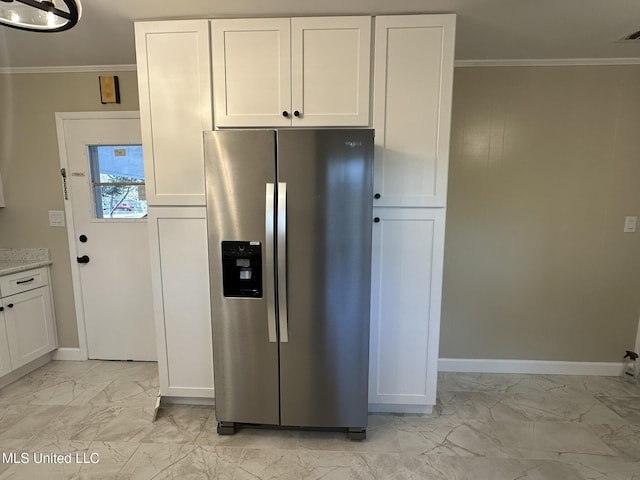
(238, 167)
(324, 364)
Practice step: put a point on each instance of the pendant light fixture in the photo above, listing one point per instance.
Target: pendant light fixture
(40, 15)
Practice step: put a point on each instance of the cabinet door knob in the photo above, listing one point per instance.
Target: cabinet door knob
(83, 238)
(296, 113)
(377, 195)
(285, 114)
(1, 309)
(10, 305)
(376, 220)
(83, 259)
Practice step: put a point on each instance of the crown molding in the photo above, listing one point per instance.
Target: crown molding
(68, 69)
(550, 62)
(554, 62)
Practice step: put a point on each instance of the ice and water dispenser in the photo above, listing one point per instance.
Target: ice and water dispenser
(242, 269)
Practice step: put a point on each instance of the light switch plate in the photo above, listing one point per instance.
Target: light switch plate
(630, 224)
(56, 218)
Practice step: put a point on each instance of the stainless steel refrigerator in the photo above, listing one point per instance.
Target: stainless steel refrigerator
(289, 227)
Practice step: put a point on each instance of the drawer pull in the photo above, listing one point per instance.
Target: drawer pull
(20, 282)
(10, 305)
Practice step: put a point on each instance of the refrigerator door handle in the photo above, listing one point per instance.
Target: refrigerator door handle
(269, 259)
(282, 262)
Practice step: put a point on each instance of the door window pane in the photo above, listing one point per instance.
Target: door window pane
(117, 179)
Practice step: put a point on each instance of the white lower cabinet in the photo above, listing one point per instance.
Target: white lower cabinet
(27, 325)
(406, 278)
(180, 276)
(5, 361)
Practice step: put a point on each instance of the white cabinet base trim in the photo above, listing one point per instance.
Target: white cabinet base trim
(390, 408)
(470, 365)
(168, 400)
(638, 338)
(24, 370)
(68, 353)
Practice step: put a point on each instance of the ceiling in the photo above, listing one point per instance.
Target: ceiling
(486, 29)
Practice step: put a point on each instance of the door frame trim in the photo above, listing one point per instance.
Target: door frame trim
(69, 218)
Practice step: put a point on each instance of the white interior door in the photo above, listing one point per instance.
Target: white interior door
(106, 215)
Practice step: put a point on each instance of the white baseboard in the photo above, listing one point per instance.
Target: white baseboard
(66, 353)
(637, 350)
(529, 366)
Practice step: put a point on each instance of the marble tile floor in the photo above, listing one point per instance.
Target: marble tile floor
(486, 426)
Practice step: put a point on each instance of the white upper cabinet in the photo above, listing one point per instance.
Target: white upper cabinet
(306, 72)
(413, 81)
(330, 71)
(251, 72)
(174, 83)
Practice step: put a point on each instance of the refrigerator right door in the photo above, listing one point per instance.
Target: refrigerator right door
(324, 324)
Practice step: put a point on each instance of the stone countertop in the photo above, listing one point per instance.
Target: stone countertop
(13, 260)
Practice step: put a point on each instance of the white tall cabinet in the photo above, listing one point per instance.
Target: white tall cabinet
(174, 83)
(1, 193)
(413, 80)
(174, 87)
(180, 274)
(406, 291)
(321, 68)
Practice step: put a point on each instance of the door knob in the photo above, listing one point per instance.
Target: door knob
(1, 309)
(285, 114)
(10, 305)
(83, 238)
(376, 220)
(296, 113)
(377, 195)
(83, 259)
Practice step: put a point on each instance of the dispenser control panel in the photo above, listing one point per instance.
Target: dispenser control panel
(242, 269)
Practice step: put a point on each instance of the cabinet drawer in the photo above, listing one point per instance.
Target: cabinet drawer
(23, 281)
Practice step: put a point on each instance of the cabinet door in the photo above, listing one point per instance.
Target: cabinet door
(251, 72)
(5, 362)
(406, 295)
(412, 108)
(330, 67)
(1, 193)
(180, 276)
(30, 325)
(174, 82)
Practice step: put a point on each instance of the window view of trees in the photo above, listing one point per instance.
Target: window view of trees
(117, 175)
(121, 196)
